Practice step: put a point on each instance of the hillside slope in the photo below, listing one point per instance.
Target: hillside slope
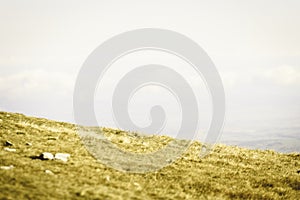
(228, 172)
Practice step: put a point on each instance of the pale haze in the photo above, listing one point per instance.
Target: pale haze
(255, 46)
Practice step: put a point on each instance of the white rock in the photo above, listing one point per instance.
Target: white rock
(126, 140)
(146, 144)
(98, 170)
(9, 149)
(7, 167)
(20, 133)
(137, 185)
(52, 138)
(8, 143)
(47, 171)
(46, 156)
(28, 144)
(62, 156)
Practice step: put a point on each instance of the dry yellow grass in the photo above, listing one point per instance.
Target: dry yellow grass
(228, 172)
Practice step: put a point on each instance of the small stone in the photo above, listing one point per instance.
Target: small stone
(47, 171)
(20, 133)
(169, 160)
(9, 149)
(46, 156)
(7, 167)
(107, 178)
(8, 143)
(52, 138)
(298, 171)
(28, 144)
(146, 144)
(81, 194)
(185, 158)
(62, 156)
(1, 120)
(126, 140)
(137, 185)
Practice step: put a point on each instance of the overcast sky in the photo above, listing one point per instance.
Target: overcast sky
(255, 45)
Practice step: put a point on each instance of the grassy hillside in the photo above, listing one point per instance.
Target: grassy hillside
(228, 172)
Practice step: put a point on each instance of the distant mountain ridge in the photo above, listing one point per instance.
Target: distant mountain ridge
(281, 142)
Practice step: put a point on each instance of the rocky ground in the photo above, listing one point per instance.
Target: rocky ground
(44, 159)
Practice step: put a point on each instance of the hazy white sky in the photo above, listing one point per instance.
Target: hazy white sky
(254, 44)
